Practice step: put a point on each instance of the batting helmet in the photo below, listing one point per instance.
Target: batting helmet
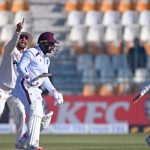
(47, 42)
(46, 38)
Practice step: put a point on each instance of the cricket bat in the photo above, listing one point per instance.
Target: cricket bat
(40, 76)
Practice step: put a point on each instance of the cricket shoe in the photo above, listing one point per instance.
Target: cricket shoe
(34, 148)
(148, 140)
(19, 145)
(46, 120)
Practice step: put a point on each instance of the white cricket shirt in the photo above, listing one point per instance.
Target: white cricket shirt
(11, 57)
(33, 63)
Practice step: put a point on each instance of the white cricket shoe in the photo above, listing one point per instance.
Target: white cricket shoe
(46, 120)
(148, 140)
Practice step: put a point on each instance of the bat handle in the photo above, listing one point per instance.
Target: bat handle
(136, 98)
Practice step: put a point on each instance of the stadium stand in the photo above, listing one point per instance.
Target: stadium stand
(78, 33)
(6, 18)
(92, 33)
(107, 75)
(95, 33)
(75, 18)
(95, 48)
(88, 90)
(107, 5)
(4, 5)
(131, 32)
(144, 18)
(146, 45)
(19, 5)
(72, 5)
(125, 5)
(111, 18)
(84, 61)
(124, 81)
(7, 32)
(105, 89)
(144, 35)
(65, 74)
(141, 75)
(102, 61)
(89, 5)
(119, 61)
(1, 51)
(148, 63)
(93, 18)
(78, 48)
(88, 76)
(124, 75)
(129, 18)
(23, 14)
(142, 5)
(113, 33)
(114, 48)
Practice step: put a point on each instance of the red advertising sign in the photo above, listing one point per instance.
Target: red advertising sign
(113, 109)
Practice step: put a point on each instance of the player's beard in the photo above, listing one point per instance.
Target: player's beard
(21, 46)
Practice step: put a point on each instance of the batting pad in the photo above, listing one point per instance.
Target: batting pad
(46, 120)
(20, 120)
(34, 130)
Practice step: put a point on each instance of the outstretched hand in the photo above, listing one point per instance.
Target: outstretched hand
(20, 26)
(136, 98)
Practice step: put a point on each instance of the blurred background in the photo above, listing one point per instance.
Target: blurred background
(104, 55)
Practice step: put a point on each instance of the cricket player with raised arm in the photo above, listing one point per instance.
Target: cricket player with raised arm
(137, 97)
(33, 63)
(8, 75)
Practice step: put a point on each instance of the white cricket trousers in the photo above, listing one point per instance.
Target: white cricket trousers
(17, 109)
(3, 98)
(32, 99)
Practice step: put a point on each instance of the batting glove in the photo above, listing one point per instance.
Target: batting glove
(58, 98)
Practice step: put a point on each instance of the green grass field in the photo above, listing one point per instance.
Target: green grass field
(83, 142)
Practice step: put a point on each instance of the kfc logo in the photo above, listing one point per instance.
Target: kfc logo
(91, 112)
(96, 110)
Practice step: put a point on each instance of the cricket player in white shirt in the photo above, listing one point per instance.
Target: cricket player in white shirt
(137, 97)
(33, 63)
(8, 75)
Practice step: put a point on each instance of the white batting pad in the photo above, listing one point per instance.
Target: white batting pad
(46, 120)
(34, 130)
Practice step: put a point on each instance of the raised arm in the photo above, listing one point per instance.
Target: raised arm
(15, 38)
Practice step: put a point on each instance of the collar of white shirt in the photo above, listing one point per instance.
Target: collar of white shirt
(39, 49)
